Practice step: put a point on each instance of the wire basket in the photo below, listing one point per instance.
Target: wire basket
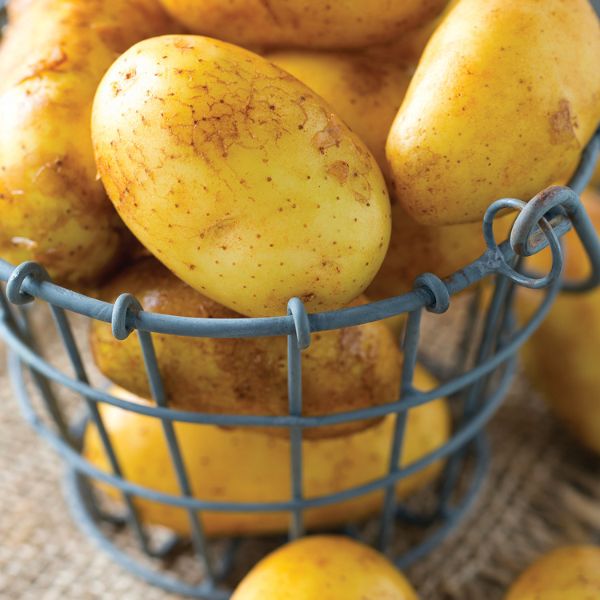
(476, 385)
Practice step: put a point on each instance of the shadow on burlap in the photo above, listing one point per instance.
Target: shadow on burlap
(541, 491)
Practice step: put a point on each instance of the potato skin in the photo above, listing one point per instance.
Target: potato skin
(54, 210)
(303, 569)
(561, 357)
(242, 465)
(416, 249)
(365, 91)
(238, 178)
(344, 369)
(567, 573)
(304, 23)
(451, 148)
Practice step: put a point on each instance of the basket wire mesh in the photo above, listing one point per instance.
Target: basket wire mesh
(476, 392)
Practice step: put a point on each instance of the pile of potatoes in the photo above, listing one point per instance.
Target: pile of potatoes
(349, 150)
(217, 158)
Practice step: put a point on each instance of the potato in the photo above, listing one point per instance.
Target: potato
(568, 573)
(304, 23)
(54, 210)
(366, 91)
(561, 358)
(324, 568)
(500, 106)
(238, 178)
(242, 465)
(343, 369)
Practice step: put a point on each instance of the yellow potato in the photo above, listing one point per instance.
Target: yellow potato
(500, 106)
(366, 91)
(324, 568)
(54, 210)
(241, 465)
(304, 23)
(561, 358)
(344, 369)
(239, 178)
(568, 573)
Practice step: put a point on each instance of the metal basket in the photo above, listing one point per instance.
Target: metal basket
(476, 387)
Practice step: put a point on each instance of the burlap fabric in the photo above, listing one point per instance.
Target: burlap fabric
(541, 491)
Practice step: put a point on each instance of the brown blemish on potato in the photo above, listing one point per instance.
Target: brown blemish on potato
(340, 170)
(183, 43)
(223, 136)
(563, 124)
(331, 135)
(361, 198)
(219, 228)
(51, 63)
(308, 297)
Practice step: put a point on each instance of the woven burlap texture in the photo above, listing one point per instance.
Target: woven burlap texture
(541, 491)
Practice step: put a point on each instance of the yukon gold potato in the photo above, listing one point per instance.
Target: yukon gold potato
(568, 573)
(241, 465)
(305, 568)
(561, 358)
(366, 91)
(343, 369)
(500, 106)
(304, 23)
(53, 208)
(239, 178)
